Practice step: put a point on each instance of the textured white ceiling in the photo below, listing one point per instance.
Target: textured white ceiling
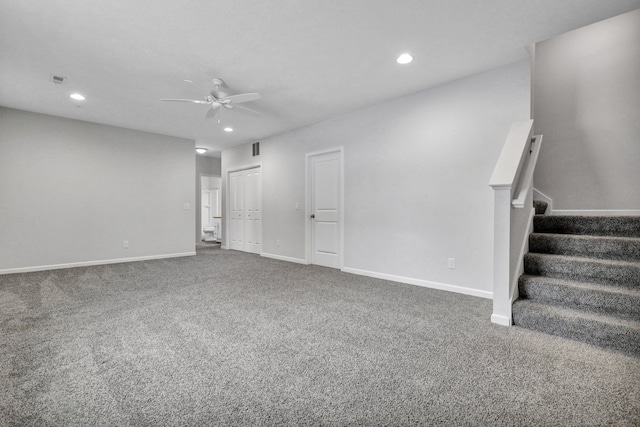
(310, 59)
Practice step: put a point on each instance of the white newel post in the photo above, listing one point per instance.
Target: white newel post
(513, 173)
(501, 252)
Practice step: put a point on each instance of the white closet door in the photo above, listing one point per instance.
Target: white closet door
(236, 211)
(253, 212)
(245, 200)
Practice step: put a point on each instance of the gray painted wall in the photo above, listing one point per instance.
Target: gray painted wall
(417, 170)
(587, 106)
(205, 166)
(73, 192)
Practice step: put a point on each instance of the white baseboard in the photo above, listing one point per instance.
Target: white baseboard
(393, 278)
(420, 282)
(90, 263)
(500, 320)
(537, 195)
(597, 212)
(226, 248)
(284, 258)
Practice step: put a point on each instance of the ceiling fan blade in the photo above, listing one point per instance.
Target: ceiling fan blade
(248, 109)
(211, 112)
(243, 97)
(194, 101)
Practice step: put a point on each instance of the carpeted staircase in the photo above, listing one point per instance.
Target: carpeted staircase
(582, 280)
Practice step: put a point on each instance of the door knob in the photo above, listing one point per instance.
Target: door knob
(313, 216)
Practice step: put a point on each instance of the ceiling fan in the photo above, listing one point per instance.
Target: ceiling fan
(216, 102)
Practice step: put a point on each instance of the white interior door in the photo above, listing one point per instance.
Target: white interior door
(215, 202)
(245, 213)
(325, 203)
(206, 217)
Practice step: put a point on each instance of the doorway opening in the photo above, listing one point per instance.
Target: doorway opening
(210, 213)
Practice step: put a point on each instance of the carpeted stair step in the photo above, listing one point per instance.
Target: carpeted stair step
(605, 331)
(605, 247)
(605, 299)
(621, 273)
(540, 207)
(623, 226)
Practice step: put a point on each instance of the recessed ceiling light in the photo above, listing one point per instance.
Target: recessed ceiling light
(201, 150)
(77, 97)
(405, 58)
(188, 81)
(228, 129)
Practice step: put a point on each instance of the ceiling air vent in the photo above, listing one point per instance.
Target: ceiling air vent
(57, 79)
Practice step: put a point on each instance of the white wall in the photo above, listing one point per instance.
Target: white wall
(211, 182)
(587, 106)
(72, 192)
(417, 170)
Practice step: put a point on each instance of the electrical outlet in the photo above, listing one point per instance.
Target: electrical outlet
(186, 206)
(278, 242)
(297, 206)
(451, 263)
(125, 244)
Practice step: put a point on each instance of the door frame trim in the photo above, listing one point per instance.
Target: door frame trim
(307, 186)
(225, 209)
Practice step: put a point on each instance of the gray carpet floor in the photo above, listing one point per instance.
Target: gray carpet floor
(227, 338)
